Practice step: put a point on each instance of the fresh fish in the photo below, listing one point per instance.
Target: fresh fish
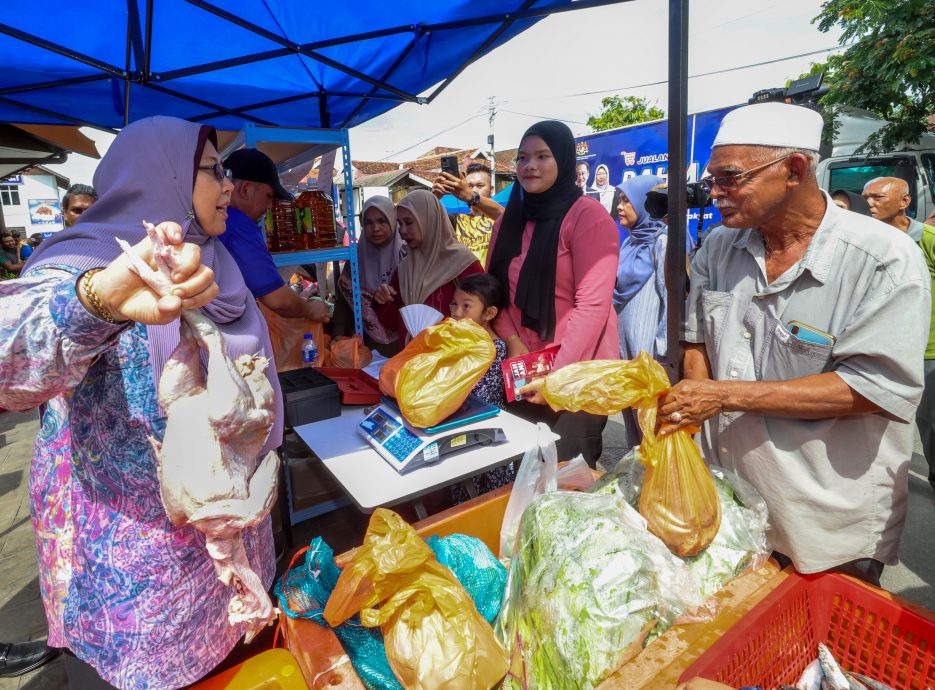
(811, 677)
(854, 683)
(833, 675)
(870, 682)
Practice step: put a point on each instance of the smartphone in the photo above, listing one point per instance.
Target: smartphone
(450, 165)
(810, 334)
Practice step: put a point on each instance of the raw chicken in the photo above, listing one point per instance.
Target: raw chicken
(207, 460)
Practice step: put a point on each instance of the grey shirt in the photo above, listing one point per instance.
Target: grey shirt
(836, 488)
(915, 230)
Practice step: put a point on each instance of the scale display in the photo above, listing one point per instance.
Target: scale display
(407, 448)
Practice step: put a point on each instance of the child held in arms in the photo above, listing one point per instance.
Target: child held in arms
(477, 298)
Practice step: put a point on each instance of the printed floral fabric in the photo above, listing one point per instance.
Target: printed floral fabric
(123, 588)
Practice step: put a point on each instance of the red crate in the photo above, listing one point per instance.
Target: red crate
(868, 631)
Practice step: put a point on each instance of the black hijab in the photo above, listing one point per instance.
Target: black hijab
(535, 290)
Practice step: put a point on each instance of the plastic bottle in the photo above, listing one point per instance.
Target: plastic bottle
(309, 351)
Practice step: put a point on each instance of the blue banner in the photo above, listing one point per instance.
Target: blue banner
(643, 150)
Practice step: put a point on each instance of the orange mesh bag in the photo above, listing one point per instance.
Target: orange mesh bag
(678, 499)
(435, 372)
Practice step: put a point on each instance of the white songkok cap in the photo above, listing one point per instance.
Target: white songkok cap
(771, 124)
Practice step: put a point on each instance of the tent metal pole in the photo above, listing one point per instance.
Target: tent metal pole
(323, 117)
(148, 49)
(58, 116)
(386, 75)
(295, 48)
(53, 84)
(675, 272)
(61, 50)
(207, 104)
(134, 32)
(481, 49)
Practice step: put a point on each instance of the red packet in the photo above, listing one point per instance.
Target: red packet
(518, 371)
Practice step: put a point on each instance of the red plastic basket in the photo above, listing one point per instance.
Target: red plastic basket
(868, 631)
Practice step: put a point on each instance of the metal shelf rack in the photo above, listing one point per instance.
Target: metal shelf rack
(322, 141)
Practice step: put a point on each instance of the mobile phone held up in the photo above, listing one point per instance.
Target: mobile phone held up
(450, 165)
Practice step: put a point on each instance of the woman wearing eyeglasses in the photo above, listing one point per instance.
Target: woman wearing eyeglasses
(556, 252)
(133, 599)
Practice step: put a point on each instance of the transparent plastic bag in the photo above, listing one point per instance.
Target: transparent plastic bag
(537, 474)
(433, 633)
(435, 372)
(575, 475)
(678, 500)
(589, 588)
(740, 544)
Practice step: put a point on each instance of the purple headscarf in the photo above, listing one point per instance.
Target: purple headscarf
(149, 174)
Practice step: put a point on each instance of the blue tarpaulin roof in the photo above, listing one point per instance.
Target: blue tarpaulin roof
(320, 63)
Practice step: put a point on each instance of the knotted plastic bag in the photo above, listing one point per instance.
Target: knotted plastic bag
(679, 499)
(350, 353)
(434, 636)
(435, 372)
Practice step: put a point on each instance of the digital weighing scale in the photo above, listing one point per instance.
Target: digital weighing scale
(407, 448)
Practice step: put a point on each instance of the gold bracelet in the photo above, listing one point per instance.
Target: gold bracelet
(87, 279)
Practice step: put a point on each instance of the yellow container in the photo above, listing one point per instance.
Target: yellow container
(274, 669)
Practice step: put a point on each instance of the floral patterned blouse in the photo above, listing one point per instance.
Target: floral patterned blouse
(123, 588)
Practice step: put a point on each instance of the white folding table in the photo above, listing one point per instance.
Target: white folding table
(371, 482)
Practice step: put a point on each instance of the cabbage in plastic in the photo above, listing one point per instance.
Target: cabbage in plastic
(588, 584)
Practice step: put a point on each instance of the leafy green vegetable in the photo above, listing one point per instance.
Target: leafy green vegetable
(587, 586)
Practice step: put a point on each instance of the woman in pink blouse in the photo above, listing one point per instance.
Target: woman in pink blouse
(556, 251)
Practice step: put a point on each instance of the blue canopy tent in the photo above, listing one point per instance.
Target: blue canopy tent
(453, 204)
(271, 62)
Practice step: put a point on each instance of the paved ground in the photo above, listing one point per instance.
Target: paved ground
(21, 616)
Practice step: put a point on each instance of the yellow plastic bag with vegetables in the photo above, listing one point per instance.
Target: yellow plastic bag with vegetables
(434, 374)
(434, 636)
(678, 499)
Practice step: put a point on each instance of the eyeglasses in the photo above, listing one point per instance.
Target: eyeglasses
(730, 182)
(219, 171)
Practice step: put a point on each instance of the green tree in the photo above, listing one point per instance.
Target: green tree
(620, 112)
(889, 66)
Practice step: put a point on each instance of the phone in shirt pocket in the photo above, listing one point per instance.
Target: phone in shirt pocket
(810, 334)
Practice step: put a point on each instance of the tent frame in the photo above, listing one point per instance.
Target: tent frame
(139, 46)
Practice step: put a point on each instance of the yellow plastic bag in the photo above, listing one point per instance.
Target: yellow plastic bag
(436, 371)
(678, 499)
(434, 636)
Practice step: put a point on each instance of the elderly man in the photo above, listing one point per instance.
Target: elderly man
(804, 348)
(256, 182)
(888, 199)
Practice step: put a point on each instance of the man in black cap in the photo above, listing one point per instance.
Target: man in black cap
(256, 184)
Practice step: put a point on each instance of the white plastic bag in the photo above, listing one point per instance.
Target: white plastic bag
(537, 475)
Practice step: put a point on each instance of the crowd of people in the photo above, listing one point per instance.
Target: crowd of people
(790, 366)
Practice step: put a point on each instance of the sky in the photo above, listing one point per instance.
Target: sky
(565, 64)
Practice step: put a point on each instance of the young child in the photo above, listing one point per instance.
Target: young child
(477, 298)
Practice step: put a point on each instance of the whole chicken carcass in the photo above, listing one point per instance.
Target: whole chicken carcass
(209, 477)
